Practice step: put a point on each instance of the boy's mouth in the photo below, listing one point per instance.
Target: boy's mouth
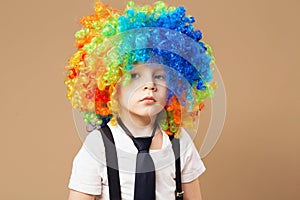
(148, 100)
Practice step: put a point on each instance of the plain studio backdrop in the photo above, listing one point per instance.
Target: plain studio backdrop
(256, 46)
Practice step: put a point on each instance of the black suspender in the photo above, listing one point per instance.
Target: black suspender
(176, 150)
(111, 163)
(113, 169)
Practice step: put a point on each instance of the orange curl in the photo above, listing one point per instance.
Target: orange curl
(88, 20)
(104, 10)
(174, 109)
(80, 42)
(201, 106)
(177, 120)
(168, 132)
(101, 109)
(170, 108)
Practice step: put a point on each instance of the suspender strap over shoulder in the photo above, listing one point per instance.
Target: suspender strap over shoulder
(176, 149)
(111, 163)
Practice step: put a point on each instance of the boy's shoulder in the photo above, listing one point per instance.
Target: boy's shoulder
(94, 146)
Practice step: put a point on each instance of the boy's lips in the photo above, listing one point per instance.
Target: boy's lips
(148, 100)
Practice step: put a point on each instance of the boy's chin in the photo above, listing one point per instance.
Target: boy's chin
(147, 113)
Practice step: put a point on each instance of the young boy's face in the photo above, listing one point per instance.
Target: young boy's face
(145, 95)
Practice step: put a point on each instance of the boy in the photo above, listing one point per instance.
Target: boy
(143, 97)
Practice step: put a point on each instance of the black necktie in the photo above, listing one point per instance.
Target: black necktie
(145, 170)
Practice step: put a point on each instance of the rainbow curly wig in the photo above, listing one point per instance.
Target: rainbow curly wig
(111, 42)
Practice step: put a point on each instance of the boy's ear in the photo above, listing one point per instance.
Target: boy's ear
(117, 88)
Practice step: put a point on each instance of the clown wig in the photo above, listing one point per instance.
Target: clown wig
(111, 42)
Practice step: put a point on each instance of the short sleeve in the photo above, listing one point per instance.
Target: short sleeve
(86, 171)
(191, 164)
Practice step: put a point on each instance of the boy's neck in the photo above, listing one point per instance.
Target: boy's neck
(139, 127)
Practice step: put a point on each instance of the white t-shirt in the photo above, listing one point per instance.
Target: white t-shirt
(89, 172)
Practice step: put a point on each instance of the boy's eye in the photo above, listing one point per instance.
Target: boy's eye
(160, 77)
(135, 75)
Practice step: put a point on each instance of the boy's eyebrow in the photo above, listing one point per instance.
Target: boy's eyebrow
(159, 69)
(155, 68)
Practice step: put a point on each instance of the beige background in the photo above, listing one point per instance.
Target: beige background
(256, 45)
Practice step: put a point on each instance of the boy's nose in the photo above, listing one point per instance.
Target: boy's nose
(150, 86)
